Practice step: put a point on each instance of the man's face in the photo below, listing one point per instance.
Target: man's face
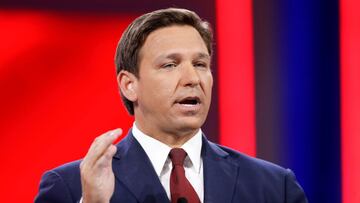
(173, 92)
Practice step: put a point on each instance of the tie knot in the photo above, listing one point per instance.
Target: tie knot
(177, 156)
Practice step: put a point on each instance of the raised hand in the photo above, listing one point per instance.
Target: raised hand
(97, 177)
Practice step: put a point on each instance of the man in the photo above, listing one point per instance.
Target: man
(163, 71)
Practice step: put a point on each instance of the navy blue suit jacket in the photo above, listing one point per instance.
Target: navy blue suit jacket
(229, 176)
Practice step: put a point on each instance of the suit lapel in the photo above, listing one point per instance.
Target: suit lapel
(220, 174)
(133, 168)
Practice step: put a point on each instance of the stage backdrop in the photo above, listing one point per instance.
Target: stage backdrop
(287, 85)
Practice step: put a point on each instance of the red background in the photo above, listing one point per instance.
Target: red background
(58, 92)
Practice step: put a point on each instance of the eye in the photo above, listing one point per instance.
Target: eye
(200, 64)
(169, 65)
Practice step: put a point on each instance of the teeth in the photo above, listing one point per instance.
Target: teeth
(188, 104)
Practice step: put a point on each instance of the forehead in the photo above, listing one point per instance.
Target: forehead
(177, 38)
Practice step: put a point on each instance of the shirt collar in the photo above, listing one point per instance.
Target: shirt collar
(158, 152)
(193, 150)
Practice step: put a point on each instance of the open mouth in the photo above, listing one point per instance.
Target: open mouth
(190, 101)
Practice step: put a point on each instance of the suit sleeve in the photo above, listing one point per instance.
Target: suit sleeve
(294, 193)
(53, 189)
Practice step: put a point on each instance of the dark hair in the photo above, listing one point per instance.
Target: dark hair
(133, 38)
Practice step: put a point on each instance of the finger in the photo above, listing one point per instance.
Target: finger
(100, 145)
(106, 159)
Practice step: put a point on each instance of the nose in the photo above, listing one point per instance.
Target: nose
(190, 76)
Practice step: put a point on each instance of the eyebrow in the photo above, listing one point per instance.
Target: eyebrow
(176, 56)
(203, 55)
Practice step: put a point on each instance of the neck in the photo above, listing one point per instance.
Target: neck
(172, 138)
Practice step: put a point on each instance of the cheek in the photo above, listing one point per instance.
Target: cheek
(207, 82)
(159, 91)
(166, 81)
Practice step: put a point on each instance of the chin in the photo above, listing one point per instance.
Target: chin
(190, 124)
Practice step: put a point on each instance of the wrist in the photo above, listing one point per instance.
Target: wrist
(89, 200)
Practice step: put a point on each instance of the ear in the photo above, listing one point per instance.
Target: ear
(128, 85)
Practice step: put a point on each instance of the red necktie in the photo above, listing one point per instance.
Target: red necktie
(180, 188)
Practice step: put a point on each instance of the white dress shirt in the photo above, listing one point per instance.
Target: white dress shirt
(158, 154)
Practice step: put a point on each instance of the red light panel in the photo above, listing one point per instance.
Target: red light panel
(236, 74)
(350, 99)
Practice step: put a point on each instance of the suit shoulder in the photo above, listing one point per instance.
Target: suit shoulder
(268, 181)
(61, 184)
(67, 170)
(251, 163)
